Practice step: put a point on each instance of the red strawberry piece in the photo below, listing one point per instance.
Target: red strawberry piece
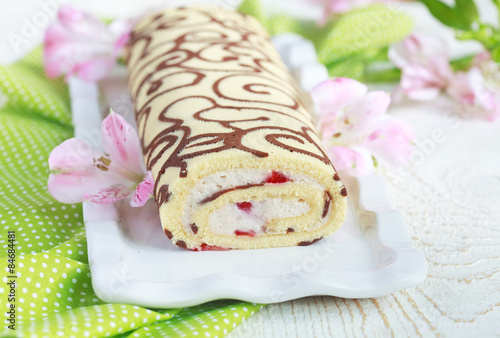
(245, 206)
(250, 233)
(206, 247)
(277, 177)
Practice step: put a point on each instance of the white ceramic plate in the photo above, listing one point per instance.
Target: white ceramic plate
(132, 261)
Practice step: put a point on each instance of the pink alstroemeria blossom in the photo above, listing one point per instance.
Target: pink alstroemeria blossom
(355, 128)
(478, 89)
(79, 44)
(79, 172)
(425, 68)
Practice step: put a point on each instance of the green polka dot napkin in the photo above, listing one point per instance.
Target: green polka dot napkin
(46, 289)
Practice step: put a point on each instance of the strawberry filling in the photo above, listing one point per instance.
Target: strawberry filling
(206, 247)
(249, 233)
(277, 177)
(245, 206)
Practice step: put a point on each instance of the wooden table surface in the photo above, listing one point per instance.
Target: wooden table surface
(451, 201)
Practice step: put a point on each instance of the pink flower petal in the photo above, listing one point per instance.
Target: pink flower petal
(94, 70)
(63, 53)
(341, 6)
(120, 141)
(417, 49)
(55, 61)
(353, 162)
(122, 41)
(82, 23)
(79, 172)
(144, 191)
(493, 116)
(329, 130)
(393, 141)
(422, 94)
(122, 30)
(397, 94)
(368, 109)
(469, 89)
(331, 96)
(73, 172)
(78, 43)
(481, 58)
(461, 88)
(425, 67)
(73, 154)
(110, 194)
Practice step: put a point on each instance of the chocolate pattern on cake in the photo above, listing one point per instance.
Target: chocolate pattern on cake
(243, 60)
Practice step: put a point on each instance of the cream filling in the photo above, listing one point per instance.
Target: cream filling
(229, 218)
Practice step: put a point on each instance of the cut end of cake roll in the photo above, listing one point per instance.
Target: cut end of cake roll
(234, 152)
(225, 206)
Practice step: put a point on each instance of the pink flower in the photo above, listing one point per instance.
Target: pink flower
(355, 128)
(478, 89)
(425, 69)
(80, 172)
(79, 44)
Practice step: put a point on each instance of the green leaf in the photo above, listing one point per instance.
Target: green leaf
(486, 34)
(495, 54)
(467, 11)
(444, 13)
(362, 31)
(382, 76)
(350, 68)
(354, 66)
(462, 63)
